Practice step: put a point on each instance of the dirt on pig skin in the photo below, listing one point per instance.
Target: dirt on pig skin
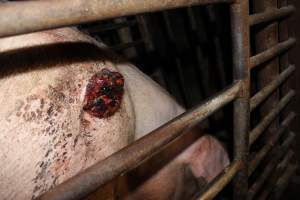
(57, 120)
(46, 137)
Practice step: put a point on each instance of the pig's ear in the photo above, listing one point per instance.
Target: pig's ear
(188, 184)
(208, 158)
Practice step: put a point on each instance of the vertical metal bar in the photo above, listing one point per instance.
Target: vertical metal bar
(265, 38)
(239, 12)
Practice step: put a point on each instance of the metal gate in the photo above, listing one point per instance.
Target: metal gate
(40, 15)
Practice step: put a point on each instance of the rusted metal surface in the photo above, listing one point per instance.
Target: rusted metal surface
(141, 150)
(239, 14)
(266, 121)
(284, 58)
(31, 16)
(272, 183)
(269, 170)
(265, 38)
(266, 91)
(283, 182)
(270, 144)
(279, 153)
(212, 189)
(271, 15)
(271, 52)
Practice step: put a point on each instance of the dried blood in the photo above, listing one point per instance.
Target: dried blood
(104, 93)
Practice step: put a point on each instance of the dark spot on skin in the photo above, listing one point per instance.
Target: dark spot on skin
(48, 152)
(50, 110)
(75, 141)
(104, 94)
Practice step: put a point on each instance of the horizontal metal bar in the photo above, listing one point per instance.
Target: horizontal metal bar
(271, 143)
(32, 16)
(271, 168)
(271, 15)
(283, 182)
(266, 91)
(108, 27)
(270, 186)
(279, 153)
(271, 53)
(212, 189)
(265, 122)
(141, 150)
(123, 46)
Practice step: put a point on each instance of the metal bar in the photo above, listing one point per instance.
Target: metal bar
(261, 127)
(284, 58)
(271, 182)
(271, 15)
(266, 91)
(212, 189)
(283, 182)
(271, 53)
(273, 141)
(239, 14)
(108, 27)
(31, 16)
(267, 37)
(279, 153)
(141, 150)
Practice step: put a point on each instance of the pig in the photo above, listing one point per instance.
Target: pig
(68, 102)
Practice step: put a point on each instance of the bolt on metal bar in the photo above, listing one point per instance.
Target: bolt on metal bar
(32, 16)
(279, 153)
(122, 161)
(271, 53)
(271, 15)
(271, 143)
(212, 189)
(239, 15)
(283, 182)
(266, 91)
(265, 122)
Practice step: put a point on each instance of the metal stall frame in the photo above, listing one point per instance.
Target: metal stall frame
(31, 16)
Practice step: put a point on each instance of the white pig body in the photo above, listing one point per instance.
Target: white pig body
(45, 135)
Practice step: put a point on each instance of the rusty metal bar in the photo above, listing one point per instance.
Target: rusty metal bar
(283, 182)
(271, 15)
(239, 15)
(268, 171)
(279, 153)
(212, 189)
(271, 182)
(32, 16)
(284, 58)
(266, 91)
(261, 127)
(270, 144)
(141, 150)
(271, 53)
(112, 26)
